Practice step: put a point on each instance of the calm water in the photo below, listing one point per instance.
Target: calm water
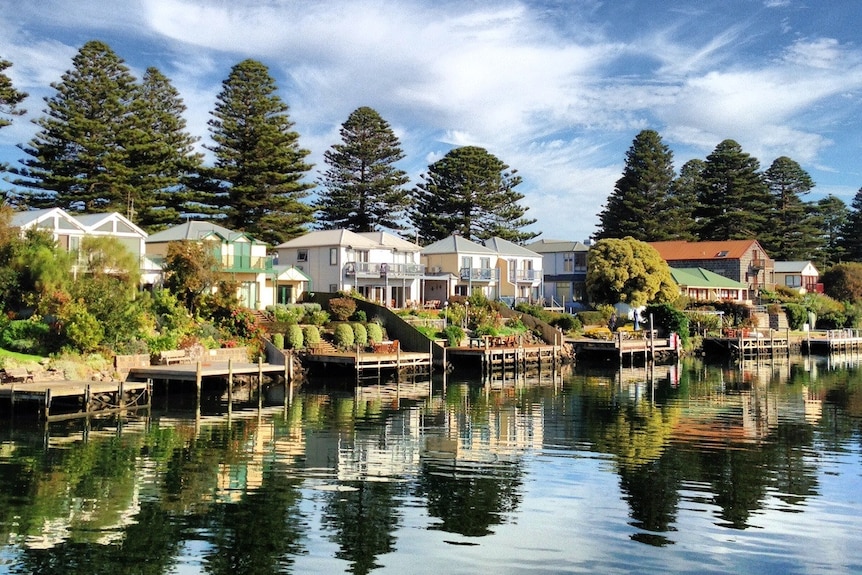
(689, 469)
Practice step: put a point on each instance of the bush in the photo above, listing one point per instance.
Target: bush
(670, 319)
(359, 316)
(311, 335)
(375, 332)
(344, 338)
(26, 335)
(454, 334)
(294, 337)
(342, 307)
(797, 315)
(278, 340)
(291, 313)
(591, 318)
(82, 330)
(567, 322)
(318, 317)
(360, 334)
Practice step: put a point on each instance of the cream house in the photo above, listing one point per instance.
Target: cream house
(458, 266)
(380, 266)
(242, 259)
(520, 277)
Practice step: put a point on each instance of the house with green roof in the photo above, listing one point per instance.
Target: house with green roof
(242, 258)
(699, 284)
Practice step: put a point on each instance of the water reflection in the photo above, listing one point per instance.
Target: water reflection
(389, 476)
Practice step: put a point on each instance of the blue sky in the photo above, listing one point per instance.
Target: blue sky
(557, 89)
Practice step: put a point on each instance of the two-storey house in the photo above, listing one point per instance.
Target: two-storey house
(740, 260)
(458, 266)
(380, 266)
(521, 277)
(564, 264)
(241, 258)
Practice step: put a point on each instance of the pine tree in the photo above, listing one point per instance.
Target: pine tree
(734, 200)
(469, 192)
(682, 203)
(851, 239)
(77, 159)
(9, 97)
(363, 189)
(259, 165)
(831, 216)
(640, 203)
(791, 232)
(161, 151)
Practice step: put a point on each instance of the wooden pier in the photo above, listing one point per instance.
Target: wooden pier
(57, 400)
(490, 355)
(639, 347)
(833, 341)
(374, 362)
(749, 343)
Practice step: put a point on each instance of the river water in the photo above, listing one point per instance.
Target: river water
(691, 468)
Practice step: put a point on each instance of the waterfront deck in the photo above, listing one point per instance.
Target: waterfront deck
(504, 356)
(56, 400)
(833, 341)
(375, 362)
(749, 343)
(633, 348)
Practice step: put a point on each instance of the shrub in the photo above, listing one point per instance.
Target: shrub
(291, 313)
(27, 335)
(311, 335)
(344, 338)
(360, 334)
(797, 315)
(318, 317)
(670, 319)
(592, 318)
(566, 322)
(375, 332)
(278, 340)
(294, 337)
(454, 334)
(342, 307)
(81, 328)
(359, 316)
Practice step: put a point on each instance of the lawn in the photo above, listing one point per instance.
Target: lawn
(20, 357)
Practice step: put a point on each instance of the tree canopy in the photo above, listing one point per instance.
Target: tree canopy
(363, 190)
(851, 238)
(259, 167)
(472, 193)
(791, 232)
(629, 271)
(9, 97)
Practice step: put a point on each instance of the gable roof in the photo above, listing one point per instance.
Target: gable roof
(387, 240)
(794, 267)
(93, 221)
(714, 250)
(556, 246)
(196, 230)
(327, 238)
(701, 278)
(505, 247)
(455, 244)
(30, 218)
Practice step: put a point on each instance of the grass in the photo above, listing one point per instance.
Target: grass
(21, 357)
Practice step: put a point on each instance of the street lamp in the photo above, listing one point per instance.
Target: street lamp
(466, 313)
(445, 314)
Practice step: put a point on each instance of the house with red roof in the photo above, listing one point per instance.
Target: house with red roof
(743, 261)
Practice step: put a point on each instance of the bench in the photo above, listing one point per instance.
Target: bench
(171, 356)
(15, 375)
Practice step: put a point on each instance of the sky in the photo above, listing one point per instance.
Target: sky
(557, 89)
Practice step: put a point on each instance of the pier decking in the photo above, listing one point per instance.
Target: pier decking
(640, 348)
(505, 357)
(376, 362)
(833, 341)
(750, 343)
(56, 400)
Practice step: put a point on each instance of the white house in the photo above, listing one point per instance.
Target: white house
(798, 275)
(520, 275)
(380, 266)
(564, 264)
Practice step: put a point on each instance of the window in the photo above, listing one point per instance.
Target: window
(793, 281)
(466, 262)
(362, 255)
(581, 261)
(721, 254)
(302, 255)
(568, 263)
(333, 256)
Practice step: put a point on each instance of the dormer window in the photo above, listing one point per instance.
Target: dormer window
(721, 254)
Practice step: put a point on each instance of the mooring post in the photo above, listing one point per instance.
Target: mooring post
(229, 386)
(259, 382)
(198, 381)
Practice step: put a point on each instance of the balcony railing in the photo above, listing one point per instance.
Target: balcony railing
(246, 263)
(479, 274)
(526, 276)
(379, 270)
(758, 264)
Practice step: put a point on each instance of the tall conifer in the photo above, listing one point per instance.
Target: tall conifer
(791, 232)
(851, 238)
(9, 97)
(363, 190)
(259, 167)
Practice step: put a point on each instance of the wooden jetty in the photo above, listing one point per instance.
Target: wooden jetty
(749, 343)
(833, 341)
(509, 353)
(636, 346)
(198, 372)
(383, 357)
(56, 400)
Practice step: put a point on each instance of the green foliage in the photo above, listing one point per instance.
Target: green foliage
(670, 319)
(735, 314)
(360, 316)
(344, 338)
(360, 334)
(278, 340)
(831, 314)
(791, 232)
(295, 337)
(80, 328)
(342, 307)
(190, 272)
(9, 96)
(375, 332)
(25, 336)
(591, 318)
(797, 315)
(701, 323)
(454, 334)
(567, 322)
(642, 203)
(311, 335)
(851, 240)
(844, 282)
(630, 271)
(362, 188)
(470, 192)
(318, 317)
(258, 181)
